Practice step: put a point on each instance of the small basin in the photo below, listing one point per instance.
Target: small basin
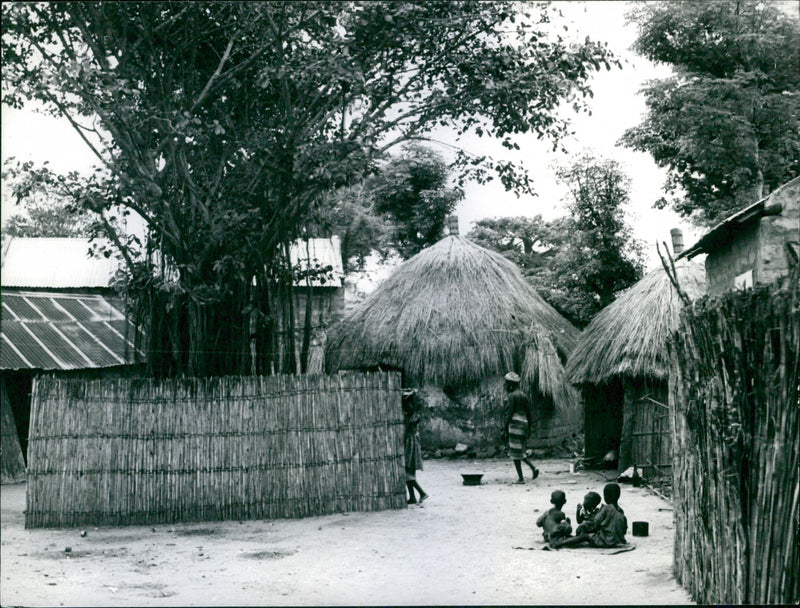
(472, 479)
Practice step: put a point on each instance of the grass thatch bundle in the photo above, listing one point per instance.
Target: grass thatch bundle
(629, 336)
(451, 315)
(542, 369)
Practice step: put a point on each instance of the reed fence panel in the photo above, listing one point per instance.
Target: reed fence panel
(140, 451)
(734, 402)
(652, 437)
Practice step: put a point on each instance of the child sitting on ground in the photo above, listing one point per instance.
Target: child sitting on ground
(607, 528)
(587, 511)
(554, 522)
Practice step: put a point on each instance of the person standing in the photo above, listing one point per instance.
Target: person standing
(519, 421)
(412, 446)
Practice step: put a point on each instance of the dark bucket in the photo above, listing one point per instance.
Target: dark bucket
(640, 528)
(472, 479)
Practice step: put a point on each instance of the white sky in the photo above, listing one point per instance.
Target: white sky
(616, 106)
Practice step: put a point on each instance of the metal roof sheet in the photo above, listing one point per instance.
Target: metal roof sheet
(54, 263)
(324, 255)
(63, 331)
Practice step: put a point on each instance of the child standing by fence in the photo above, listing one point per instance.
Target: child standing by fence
(412, 447)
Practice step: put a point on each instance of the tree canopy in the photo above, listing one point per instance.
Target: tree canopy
(226, 124)
(578, 263)
(727, 125)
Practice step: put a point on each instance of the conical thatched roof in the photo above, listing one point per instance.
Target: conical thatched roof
(452, 314)
(629, 336)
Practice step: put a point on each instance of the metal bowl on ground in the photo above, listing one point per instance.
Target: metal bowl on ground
(472, 479)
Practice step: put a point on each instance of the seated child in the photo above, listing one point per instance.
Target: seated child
(563, 528)
(607, 528)
(587, 511)
(554, 523)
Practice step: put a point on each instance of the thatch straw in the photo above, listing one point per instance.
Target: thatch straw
(629, 336)
(542, 369)
(451, 315)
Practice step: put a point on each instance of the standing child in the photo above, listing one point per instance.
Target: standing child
(607, 528)
(554, 522)
(411, 445)
(518, 424)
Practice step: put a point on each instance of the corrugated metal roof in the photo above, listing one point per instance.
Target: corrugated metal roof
(322, 253)
(63, 331)
(54, 263)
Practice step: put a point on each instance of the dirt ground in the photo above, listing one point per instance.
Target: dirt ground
(458, 548)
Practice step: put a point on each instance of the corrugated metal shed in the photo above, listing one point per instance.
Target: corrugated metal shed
(54, 263)
(322, 253)
(59, 331)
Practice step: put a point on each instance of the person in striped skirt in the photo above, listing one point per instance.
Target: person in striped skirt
(519, 421)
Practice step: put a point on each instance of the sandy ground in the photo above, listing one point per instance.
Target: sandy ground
(458, 548)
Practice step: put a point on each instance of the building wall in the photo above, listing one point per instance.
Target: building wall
(327, 306)
(772, 262)
(732, 259)
(758, 246)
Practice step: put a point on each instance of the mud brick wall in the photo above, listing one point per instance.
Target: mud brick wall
(758, 244)
(475, 417)
(775, 231)
(732, 258)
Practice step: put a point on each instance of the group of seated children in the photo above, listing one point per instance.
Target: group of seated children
(597, 526)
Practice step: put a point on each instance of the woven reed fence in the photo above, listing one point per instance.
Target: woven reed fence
(133, 451)
(734, 402)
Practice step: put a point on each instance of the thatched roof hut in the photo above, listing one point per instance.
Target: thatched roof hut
(629, 336)
(621, 362)
(452, 315)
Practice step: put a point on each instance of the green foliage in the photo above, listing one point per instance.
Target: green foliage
(412, 191)
(225, 125)
(401, 208)
(529, 242)
(46, 220)
(727, 126)
(44, 215)
(579, 262)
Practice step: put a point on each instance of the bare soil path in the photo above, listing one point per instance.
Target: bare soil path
(455, 549)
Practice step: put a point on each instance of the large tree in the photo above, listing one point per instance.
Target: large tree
(579, 262)
(727, 125)
(400, 209)
(412, 190)
(225, 124)
(529, 242)
(45, 217)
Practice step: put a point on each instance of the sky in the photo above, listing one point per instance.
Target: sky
(616, 106)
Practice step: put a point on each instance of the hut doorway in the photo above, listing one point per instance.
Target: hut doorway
(602, 419)
(17, 385)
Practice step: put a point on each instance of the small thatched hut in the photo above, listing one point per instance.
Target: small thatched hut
(455, 318)
(622, 367)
